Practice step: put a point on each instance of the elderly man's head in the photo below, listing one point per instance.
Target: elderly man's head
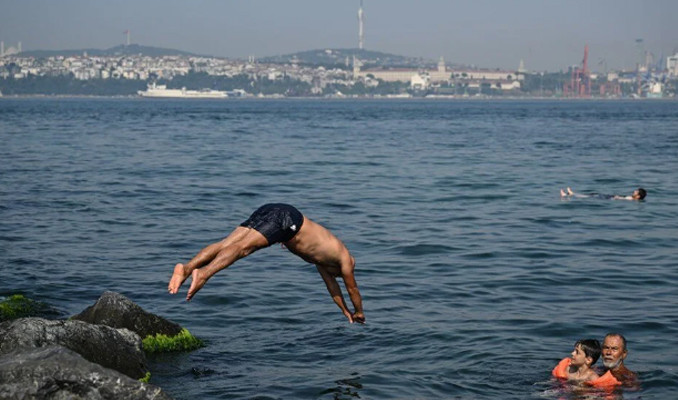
(614, 350)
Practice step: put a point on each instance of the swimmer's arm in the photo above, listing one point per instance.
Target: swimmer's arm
(592, 375)
(353, 292)
(335, 291)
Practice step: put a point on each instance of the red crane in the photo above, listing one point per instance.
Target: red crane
(580, 82)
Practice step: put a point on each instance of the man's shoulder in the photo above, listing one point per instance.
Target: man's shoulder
(625, 375)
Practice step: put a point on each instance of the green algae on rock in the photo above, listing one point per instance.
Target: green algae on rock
(19, 306)
(146, 377)
(159, 343)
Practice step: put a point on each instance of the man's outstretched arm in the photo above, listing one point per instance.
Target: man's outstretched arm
(335, 291)
(352, 289)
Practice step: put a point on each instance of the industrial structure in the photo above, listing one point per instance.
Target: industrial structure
(580, 81)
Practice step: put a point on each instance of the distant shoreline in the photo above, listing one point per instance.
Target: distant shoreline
(342, 98)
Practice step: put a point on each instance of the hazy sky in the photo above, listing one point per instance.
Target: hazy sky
(547, 35)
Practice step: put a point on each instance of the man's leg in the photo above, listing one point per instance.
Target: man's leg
(242, 244)
(206, 255)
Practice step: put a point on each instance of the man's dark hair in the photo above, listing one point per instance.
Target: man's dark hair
(641, 193)
(620, 336)
(591, 348)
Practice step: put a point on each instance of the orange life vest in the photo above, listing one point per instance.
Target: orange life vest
(607, 379)
(560, 371)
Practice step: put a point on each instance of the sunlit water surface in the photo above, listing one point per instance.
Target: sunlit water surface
(476, 277)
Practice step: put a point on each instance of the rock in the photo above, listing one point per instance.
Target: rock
(158, 334)
(55, 372)
(118, 349)
(117, 311)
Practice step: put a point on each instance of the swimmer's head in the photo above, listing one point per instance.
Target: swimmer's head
(614, 350)
(639, 194)
(590, 347)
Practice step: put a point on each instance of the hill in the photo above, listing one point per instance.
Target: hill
(333, 58)
(132, 49)
(343, 58)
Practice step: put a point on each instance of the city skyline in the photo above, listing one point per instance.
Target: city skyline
(488, 33)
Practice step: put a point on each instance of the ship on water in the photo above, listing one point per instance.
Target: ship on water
(154, 90)
(655, 90)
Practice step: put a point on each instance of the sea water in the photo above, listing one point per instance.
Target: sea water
(477, 278)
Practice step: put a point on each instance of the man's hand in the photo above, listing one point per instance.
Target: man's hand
(348, 315)
(357, 317)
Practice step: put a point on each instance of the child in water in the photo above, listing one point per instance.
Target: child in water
(577, 367)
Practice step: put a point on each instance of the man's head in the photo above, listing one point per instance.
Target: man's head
(639, 194)
(614, 350)
(588, 349)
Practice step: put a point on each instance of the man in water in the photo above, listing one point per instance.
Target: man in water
(278, 223)
(638, 194)
(614, 353)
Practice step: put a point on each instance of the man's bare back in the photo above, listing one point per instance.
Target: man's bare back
(270, 224)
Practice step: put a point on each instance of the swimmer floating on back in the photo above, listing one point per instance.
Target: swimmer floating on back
(638, 194)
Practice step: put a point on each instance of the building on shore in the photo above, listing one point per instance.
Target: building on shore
(401, 74)
(422, 78)
(672, 65)
(10, 51)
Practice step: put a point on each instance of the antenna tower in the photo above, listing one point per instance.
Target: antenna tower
(361, 24)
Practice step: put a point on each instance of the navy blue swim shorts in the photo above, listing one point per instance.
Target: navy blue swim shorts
(277, 222)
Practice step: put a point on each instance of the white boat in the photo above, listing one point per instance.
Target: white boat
(655, 90)
(154, 90)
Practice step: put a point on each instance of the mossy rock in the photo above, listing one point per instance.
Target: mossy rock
(19, 306)
(117, 311)
(160, 335)
(159, 343)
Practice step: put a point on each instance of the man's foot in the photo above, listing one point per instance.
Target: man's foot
(198, 280)
(178, 277)
(570, 192)
(562, 193)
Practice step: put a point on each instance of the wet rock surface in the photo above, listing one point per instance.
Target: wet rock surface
(97, 354)
(55, 372)
(118, 349)
(117, 311)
